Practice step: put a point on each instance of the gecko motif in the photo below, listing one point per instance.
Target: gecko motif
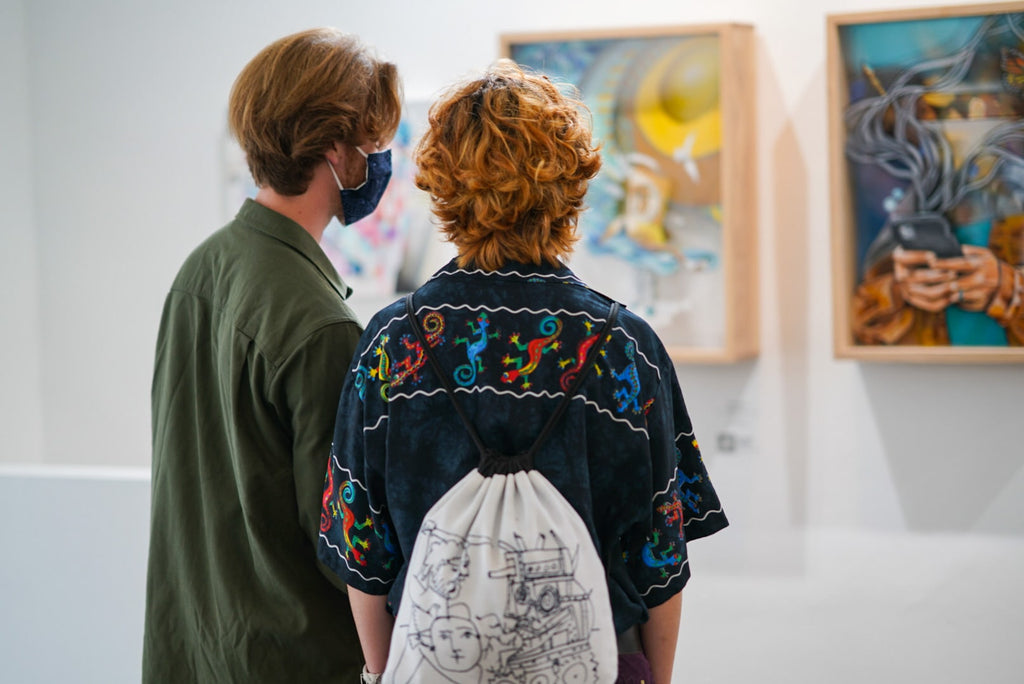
(360, 373)
(581, 357)
(627, 396)
(673, 512)
(551, 328)
(664, 557)
(348, 522)
(325, 519)
(410, 365)
(465, 374)
(387, 537)
(388, 374)
(433, 326)
(382, 372)
(688, 497)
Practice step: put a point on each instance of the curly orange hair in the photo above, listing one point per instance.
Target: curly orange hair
(507, 159)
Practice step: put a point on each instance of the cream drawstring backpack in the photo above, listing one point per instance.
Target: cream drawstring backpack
(505, 584)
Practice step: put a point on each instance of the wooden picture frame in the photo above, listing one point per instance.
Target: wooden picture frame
(927, 184)
(671, 224)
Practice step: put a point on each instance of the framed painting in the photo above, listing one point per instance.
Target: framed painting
(927, 171)
(670, 228)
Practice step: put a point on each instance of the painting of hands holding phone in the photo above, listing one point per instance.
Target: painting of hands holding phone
(934, 271)
(934, 157)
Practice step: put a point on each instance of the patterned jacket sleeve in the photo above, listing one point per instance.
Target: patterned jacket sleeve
(356, 535)
(684, 505)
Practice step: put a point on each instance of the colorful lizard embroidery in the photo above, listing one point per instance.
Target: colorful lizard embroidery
(551, 328)
(433, 326)
(685, 494)
(465, 374)
(410, 365)
(361, 372)
(325, 518)
(348, 521)
(581, 357)
(382, 373)
(627, 396)
(664, 557)
(387, 538)
(673, 512)
(690, 498)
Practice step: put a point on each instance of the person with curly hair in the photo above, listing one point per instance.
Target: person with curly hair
(251, 355)
(506, 160)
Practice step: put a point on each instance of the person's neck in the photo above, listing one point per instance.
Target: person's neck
(307, 209)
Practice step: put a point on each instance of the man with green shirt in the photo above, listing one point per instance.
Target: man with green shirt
(253, 347)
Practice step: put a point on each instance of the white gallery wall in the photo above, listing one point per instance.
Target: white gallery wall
(877, 509)
(20, 306)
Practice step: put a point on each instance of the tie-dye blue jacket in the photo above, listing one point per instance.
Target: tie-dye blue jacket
(510, 340)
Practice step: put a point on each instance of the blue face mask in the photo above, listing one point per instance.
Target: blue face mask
(359, 202)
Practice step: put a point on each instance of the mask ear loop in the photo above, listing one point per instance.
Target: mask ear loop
(335, 174)
(336, 179)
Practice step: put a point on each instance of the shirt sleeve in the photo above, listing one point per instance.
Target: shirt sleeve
(311, 380)
(357, 540)
(684, 505)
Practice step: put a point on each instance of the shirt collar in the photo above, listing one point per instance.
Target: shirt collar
(513, 271)
(281, 228)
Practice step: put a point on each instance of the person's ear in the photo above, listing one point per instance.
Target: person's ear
(335, 153)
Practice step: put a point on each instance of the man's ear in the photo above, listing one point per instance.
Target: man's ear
(335, 153)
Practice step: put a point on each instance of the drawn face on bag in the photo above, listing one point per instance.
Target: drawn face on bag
(456, 643)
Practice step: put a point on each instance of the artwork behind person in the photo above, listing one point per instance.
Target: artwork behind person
(928, 178)
(390, 252)
(654, 233)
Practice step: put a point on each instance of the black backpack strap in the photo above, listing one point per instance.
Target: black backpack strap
(445, 382)
(493, 462)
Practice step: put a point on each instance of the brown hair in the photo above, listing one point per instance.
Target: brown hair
(506, 160)
(303, 93)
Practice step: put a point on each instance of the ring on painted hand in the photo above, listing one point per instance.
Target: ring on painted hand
(959, 296)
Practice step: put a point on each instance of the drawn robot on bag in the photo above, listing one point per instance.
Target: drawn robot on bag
(549, 613)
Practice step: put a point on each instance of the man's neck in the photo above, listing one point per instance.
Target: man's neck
(306, 209)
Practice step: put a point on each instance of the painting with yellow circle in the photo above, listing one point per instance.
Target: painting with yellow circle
(653, 233)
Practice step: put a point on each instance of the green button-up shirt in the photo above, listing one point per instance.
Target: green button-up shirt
(253, 348)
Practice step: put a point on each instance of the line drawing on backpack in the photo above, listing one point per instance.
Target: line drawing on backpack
(444, 644)
(550, 613)
(543, 629)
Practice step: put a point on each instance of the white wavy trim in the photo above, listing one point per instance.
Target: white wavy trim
(518, 395)
(344, 560)
(371, 428)
(636, 348)
(686, 520)
(351, 478)
(380, 332)
(668, 487)
(667, 582)
(522, 309)
(570, 277)
(703, 517)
